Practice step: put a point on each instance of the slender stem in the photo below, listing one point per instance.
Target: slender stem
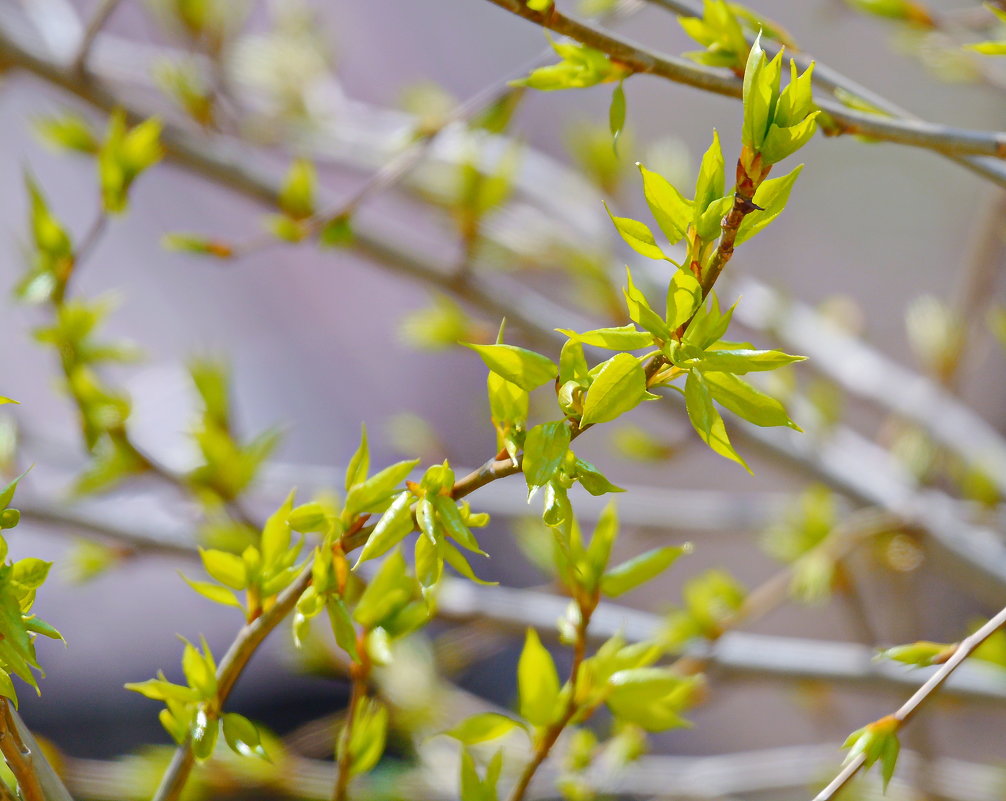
(910, 708)
(771, 593)
(360, 673)
(637, 58)
(552, 733)
(94, 26)
(229, 670)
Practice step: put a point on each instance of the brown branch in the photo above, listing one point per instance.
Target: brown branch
(637, 58)
(35, 776)
(229, 670)
(910, 708)
(551, 735)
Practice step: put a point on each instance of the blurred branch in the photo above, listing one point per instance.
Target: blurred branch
(743, 774)
(911, 707)
(736, 653)
(942, 139)
(868, 373)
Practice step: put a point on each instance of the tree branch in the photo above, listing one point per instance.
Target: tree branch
(943, 139)
(35, 776)
(911, 707)
(228, 672)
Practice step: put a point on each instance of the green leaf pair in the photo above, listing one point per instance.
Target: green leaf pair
(776, 124)
(580, 67)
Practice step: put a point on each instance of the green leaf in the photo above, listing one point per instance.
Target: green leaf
(640, 311)
(276, 534)
(636, 235)
(624, 337)
(161, 690)
(68, 131)
(342, 626)
(760, 93)
(395, 524)
(684, 296)
(457, 560)
(429, 558)
(7, 493)
(707, 421)
(620, 385)
(243, 736)
(994, 48)
(710, 183)
(602, 540)
(920, 654)
(709, 324)
(296, 198)
(426, 519)
(537, 682)
(592, 480)
(198, 245)
(369, 734)
(450, 517)
(637, 571)
(7, 687)
(203, 735)
(200, 670)
(356, 473)
(782, 142)
(772, 195)
(573, 364)
(616, 113)
(227, 568)
(387, 593)
(525, 368)
(544, 450)
(709, 225)
(744, 361)
(216, 593)
(747, 402)
(797, 99)
(30, 572)
(650, 697)
(672, 212)
(483, 728)
(373, 494)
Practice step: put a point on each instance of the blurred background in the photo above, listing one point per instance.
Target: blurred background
(884, 270)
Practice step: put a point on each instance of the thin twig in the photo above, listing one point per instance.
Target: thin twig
(228, 672)
(639, 59)
(94, 26)
(911, 707)
(551, 735)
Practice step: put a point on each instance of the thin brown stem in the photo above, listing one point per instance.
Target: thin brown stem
(229, 670)
(360, 674)
(36, 778)
(94, 26)
(552, 733)
(911, 707)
